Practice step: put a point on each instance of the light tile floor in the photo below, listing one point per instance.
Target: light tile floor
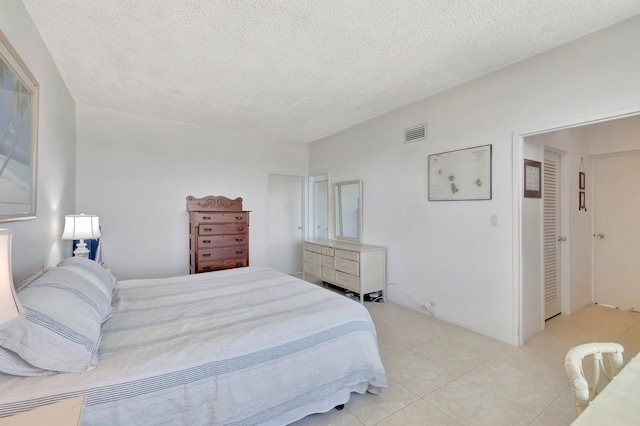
(441, 374)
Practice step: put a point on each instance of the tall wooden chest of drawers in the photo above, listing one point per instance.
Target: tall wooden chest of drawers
(218, 234)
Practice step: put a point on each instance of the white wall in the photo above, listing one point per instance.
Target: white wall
(611, 137)
(446, 252)
(136, 172)
(532, 247)
(36, 243)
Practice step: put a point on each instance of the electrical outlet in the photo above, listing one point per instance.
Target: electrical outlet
(494, 220)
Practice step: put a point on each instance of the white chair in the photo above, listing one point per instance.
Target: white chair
(583, 394)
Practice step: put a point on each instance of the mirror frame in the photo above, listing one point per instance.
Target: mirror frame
(336, 210)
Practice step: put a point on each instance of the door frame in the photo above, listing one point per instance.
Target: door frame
(517, 175)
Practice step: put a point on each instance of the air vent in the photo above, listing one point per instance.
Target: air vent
(416, 133)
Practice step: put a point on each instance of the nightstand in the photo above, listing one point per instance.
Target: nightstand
(67, 412)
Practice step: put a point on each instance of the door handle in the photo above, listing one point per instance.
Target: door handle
(562, 238)
(600, 236)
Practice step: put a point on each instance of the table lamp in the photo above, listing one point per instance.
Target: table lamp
(79, 227)
(10, 307)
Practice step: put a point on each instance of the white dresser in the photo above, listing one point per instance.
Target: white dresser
(355, 267)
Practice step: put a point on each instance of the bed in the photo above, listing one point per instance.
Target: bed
(241, 346)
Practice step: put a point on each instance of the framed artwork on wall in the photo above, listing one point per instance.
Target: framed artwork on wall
(464, 174)
(532, 179)
(18, 136)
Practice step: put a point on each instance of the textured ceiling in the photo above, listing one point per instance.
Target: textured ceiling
(295, 69)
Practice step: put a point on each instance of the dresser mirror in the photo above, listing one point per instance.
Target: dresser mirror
(348, 202)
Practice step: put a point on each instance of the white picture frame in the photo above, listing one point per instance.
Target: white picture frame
(464, 174)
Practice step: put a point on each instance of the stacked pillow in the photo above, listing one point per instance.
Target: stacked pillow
(60, 332)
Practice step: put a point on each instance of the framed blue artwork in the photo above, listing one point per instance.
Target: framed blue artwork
(18, 136)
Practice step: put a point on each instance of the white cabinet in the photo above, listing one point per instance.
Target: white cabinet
(356, 267)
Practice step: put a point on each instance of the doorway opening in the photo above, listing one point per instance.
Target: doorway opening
(319, 207)
(579, 139)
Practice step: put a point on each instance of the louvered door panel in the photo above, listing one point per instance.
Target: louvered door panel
(551, 196)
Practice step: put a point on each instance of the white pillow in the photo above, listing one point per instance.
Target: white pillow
(31, 278)
(61, 328)
(92, 271)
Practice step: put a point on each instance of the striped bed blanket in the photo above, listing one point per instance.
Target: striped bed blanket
(237, 347)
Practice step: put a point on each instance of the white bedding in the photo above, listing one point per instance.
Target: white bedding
(242, 346)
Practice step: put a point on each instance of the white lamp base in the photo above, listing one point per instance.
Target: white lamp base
(81, 249)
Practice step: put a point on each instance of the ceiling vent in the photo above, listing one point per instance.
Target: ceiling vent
(415, 133)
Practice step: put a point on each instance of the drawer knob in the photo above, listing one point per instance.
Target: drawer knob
(239, 218)
(206, 217)
(241, 228)
(239, 240)
(206, 254)
(238, 263)
(207, 229)
(239, 252)
(206, 268)
(206, 241)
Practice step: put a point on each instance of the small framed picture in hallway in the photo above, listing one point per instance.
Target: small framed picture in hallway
(532, 179)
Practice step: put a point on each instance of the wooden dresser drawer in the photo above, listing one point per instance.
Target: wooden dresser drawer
(313, 258)
(313, 269)
(222, 229)
(347, 266)
(312, 247)
(223, 253)
(209, 241)
(221, 264)
(327, 251)
(349, 255)
(329, 274)
(207, 217)
(348, 281)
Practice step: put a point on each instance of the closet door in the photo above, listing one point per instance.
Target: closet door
(552, 234)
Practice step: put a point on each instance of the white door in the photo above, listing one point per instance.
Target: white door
(617, 231)
(284, 223)
(552, 234)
